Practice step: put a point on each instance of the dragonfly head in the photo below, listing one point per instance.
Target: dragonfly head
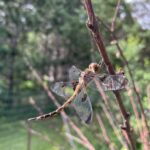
(94, 67)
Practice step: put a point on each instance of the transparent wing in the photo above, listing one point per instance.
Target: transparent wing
(114, 83)
(63, 89)
(74, 73)
(83, 107)
(110, 82)
(81, 103)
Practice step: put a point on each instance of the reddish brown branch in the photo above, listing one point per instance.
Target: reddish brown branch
(92, 24)
(146, 127)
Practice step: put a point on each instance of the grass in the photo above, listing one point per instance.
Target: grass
(13, 136)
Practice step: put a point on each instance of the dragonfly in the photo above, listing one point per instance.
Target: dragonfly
(79, 81)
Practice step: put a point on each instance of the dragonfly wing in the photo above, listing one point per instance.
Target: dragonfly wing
(109, 82)
(60, 88)
(112, 82)
(115, 82)
(81, 103)
(74, 73)
(83, 107)
(63, 89)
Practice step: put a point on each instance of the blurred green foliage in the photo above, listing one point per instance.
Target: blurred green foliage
(52, 36)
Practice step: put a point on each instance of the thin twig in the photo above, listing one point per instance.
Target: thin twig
(112, 28)
(81, 135)
(104, 132)
(148, 93)
(78, 140)
(34, 132)
(134, 107)
(109, 114)
(33, 103)
(68, 131)
(29, 137)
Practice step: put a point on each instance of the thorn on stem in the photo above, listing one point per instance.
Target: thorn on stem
(89, 25)
(123, 127)
(131, 129)
(128, 115)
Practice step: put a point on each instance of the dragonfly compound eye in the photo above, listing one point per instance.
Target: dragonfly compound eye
(94, 67)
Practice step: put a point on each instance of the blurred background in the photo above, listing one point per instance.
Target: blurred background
(39, 41)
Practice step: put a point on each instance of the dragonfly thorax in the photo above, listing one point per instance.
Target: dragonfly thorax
(87, 76)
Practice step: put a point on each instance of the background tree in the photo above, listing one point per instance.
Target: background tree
(52, 36)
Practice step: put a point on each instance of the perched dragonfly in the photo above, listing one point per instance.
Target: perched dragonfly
(79, 81)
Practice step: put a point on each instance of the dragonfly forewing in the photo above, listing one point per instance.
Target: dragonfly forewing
(74, 73)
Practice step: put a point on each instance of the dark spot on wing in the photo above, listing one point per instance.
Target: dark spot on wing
(89, 119)
(64, 84)
(103, 78)
(84, 98)
(74, 84)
